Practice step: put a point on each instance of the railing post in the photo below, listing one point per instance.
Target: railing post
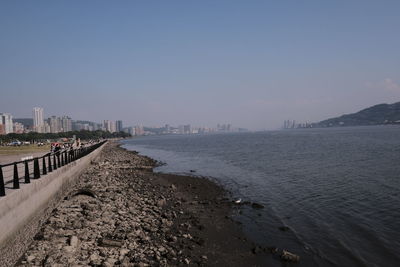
(58, 160)
(36, 168)
(49, 163)
(27, 178)
(54, 162)
(65, 157)
(2, 188)
(62, 159)
(16, 178)
(44, 171)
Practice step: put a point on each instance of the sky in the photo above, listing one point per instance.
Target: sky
(252, 64)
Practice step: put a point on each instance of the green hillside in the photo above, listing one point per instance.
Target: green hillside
(375, 115)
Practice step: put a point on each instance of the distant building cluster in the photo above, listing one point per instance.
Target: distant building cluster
(186, 129)
(291, 124)
(58, 124)
(53, 124)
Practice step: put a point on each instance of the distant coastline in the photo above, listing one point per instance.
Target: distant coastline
(381, 114)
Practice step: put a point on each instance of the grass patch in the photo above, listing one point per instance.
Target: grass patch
(15, 150)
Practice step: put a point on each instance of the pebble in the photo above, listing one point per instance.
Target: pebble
(73, 241)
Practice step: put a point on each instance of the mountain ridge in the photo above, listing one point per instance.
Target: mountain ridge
(375, 115)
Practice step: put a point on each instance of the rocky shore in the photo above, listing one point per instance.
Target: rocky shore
(121, 213)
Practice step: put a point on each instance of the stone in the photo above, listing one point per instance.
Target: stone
(288, 256)
(109, 262)
(256, 250)
(161, 202)
(255, 205)
(73, 242)
(95, 259)
(284, 228)
(125, 262)
(111, 242)
(30, 258)
(123, 252)
(68, 249)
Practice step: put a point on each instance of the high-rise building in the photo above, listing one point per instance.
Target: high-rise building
(113, 126)
(46, 128)
(66, 124)
(38, 120)
(129, 130)
(109, 126)
(139, 130)
(18, 127)
(187, 129)
(181, 129)
(118, 126)
(167, 128)
(6, 120)
(55, 124)
(2, 130)
(106, 125)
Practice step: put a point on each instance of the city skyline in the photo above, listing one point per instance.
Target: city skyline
(53, 124)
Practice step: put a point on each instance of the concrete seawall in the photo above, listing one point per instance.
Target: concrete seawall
(22, 211)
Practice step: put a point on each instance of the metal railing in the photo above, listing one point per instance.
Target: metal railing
(34, 168)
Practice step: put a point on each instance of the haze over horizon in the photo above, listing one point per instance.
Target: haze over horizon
(251, 64)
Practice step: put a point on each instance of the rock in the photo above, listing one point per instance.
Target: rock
(172, 238)
(288, 256)
(186, 261)
(68, 249)
(73, 242)
(256, 250)
(125, 262)
(109, 262)
(255, 205)
(106, 242)
(123, 252)
(30, 258)
(161, 202)
(95, 259)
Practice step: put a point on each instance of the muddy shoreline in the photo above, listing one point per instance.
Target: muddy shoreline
(121, 213)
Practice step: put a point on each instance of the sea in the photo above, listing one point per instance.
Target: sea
(330, 195)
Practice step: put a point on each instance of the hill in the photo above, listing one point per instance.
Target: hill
(375, 115)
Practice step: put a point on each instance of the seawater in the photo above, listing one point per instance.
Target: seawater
(336, 189)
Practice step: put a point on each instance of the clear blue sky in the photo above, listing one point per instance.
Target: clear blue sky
(249, 63)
